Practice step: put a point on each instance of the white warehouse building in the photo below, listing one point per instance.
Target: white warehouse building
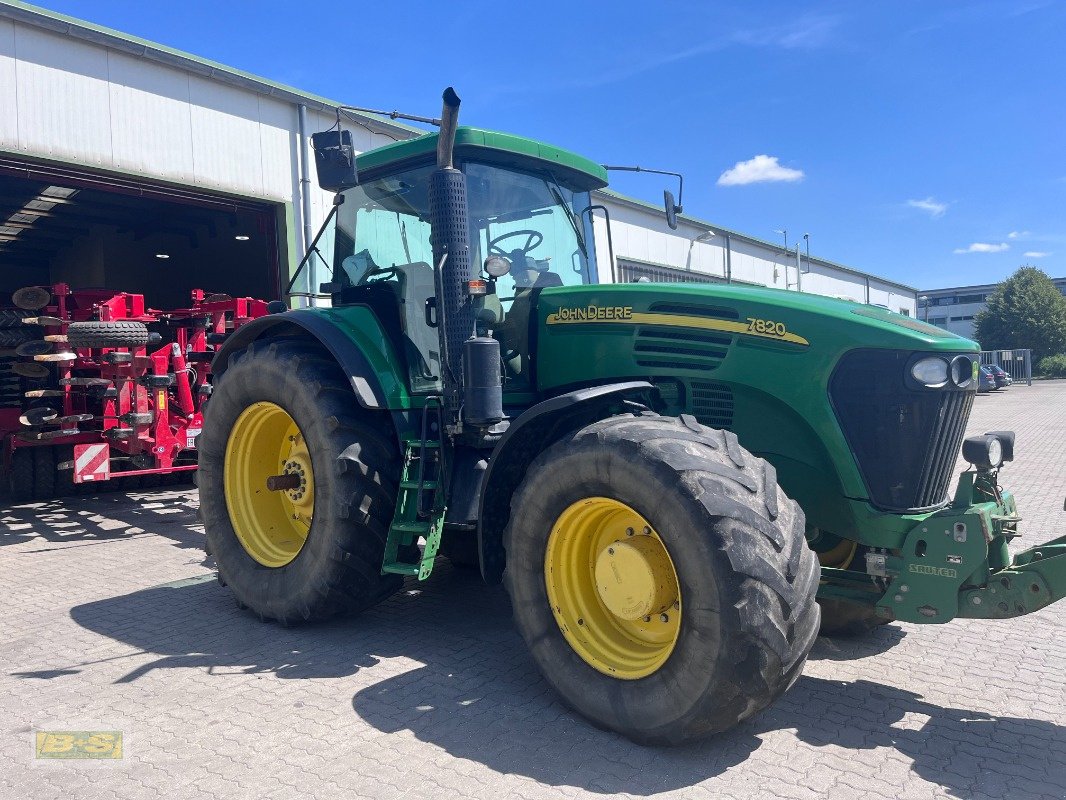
(132, 166)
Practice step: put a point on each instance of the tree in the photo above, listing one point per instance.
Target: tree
(1026, 311)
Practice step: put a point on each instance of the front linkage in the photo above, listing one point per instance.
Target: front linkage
(956, 562)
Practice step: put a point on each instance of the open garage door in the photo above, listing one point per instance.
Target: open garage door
(91, 230)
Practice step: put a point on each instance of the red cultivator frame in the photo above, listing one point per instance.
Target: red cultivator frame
(106, 387)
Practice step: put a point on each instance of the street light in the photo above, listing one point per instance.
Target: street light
(807, 242)
(924, 300)
(703, 237)
(785, 234)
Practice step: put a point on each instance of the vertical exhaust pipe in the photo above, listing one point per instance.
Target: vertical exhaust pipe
(450, 238)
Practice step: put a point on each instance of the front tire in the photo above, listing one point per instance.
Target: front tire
(315, 550)
(733, 570)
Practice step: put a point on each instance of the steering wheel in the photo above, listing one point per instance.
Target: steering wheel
(533, 241)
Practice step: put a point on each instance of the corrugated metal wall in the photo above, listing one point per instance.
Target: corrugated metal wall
(76, 101)
(640, 234)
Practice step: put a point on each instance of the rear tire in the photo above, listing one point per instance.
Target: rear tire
(20, 479)
(746, 577)
(44, 473)
(355, 470)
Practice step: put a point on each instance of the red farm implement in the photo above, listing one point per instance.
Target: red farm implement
(95, 386)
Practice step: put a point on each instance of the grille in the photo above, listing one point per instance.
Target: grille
(684, 350)
(944, 447)
(905, 439)
(711, 403)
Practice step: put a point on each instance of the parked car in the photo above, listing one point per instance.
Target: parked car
(1001, 376)
(986, 380)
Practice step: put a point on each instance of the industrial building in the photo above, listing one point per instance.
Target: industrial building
(955, 307)
(129, 165)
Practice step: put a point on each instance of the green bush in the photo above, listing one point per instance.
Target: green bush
(1052, 366)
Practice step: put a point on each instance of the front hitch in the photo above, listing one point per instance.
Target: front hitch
(956, 562)
(1035, 579)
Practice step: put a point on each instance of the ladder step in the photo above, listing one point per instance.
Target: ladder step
(414, 484)
(420, 528)
(400, 569)
(416, 444)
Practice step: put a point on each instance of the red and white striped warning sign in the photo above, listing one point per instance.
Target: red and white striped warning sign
(92, 462)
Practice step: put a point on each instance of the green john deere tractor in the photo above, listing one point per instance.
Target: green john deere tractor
(677, 484)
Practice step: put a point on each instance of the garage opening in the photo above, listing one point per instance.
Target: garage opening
(91, 231)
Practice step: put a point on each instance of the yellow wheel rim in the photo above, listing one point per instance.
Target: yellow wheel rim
(272, 526)
(840, 556)
(613, 588)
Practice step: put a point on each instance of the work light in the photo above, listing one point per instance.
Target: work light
(984, 452)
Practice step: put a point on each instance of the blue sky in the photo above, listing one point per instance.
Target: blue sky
(919, 140)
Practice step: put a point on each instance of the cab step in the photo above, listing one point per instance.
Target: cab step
(420, 509)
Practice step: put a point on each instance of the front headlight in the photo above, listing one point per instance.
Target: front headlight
(930, 371)
(963, 370)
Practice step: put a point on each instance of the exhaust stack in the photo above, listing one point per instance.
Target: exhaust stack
(450, 239)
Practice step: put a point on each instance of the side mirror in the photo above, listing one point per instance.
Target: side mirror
(335, 160)
(672, 209)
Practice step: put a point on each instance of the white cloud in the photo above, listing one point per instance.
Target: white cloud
(760, 169)
(1017, 234)
(1036, 254)
(984, 247)
(930, 205)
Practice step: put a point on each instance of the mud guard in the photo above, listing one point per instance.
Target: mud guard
(351, 359)
(535, 429)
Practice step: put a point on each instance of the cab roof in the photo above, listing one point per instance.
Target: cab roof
(504, 149)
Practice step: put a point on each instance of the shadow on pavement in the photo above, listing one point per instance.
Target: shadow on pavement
(92, 519)
(848, 648)
(479, 697)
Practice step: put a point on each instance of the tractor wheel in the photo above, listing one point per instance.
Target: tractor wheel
(13, 337)
(44, 473)
(314, 550)
(122, 333)
(660, 578)
(20, 479)
(12, 317)
(64, 478)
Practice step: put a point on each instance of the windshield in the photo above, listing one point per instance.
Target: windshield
(534, 222)
(375, 249)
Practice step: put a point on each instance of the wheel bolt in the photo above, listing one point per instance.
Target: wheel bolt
(610, 551)
(581, 622)
(663, 618)
(647, 531)
(630, 531)
(647, 619)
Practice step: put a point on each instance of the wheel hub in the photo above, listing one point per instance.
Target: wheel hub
(634, 578)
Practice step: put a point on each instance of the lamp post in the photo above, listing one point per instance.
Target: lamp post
(924, 300)
(807, 243)
(703, 237)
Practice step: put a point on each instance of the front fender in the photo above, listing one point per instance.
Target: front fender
(526, 437)
(371, 366)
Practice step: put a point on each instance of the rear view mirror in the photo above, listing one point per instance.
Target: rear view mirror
(672, 209)
(335, 160)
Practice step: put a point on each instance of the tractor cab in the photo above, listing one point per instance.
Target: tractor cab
(530, 227)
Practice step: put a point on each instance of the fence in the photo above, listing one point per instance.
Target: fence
(1016, 363)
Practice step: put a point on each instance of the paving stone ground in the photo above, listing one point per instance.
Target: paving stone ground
(111, 620)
